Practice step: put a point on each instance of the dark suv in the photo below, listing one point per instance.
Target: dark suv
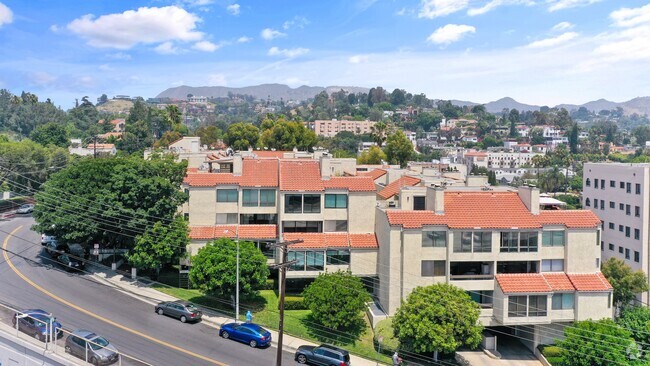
(324, 355)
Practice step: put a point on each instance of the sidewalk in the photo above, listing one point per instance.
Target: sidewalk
(149, 295)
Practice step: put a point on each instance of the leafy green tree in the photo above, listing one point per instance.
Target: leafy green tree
(26, 165)
(626, 282)
(337, 299)
(598, 343)
(372, 156)
(285, 135)
(537, 136)
(379, 131)
(159, 245)
(214, 268)
(398, 97)
(573, 139)
(50, 134)
(111, 200)
(448, 109)
(428, 121)
(168, 138)
(174, 115)
(209, 135)
(641, 134)
(399, 149)
(242, 135)
(438, 318)
(636, 319)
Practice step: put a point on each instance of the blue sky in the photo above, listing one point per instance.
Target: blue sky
(536, 51)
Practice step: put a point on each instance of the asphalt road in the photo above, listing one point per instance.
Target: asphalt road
(130, 324)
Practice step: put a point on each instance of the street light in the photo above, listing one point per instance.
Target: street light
(237, 284)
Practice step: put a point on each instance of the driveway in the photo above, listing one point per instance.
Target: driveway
(513, 353)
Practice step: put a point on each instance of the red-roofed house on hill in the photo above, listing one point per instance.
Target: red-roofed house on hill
(535, 271)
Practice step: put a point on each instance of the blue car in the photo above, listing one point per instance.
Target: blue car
(36, 323)
(250, 333)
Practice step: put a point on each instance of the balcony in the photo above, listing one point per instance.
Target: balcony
(471, 271)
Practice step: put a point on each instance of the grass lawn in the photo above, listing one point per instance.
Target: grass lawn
(297, 323)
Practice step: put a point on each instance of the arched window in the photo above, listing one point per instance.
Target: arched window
(587, 203)
(588, 182)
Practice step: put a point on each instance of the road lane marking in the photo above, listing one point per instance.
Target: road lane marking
(80, 309)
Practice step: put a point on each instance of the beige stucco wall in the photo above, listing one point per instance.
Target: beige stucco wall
(363, 262)
(389, 263)
(593, 305)
(202, 206)
(361, 212)
(582, 249)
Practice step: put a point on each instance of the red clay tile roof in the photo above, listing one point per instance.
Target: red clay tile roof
(300, 176)
(558, 281)
(332, 240)
(394, 187)
(490, 210)
(209, 179)
(522, 283)
(590, 282)
(230, 231)
(377, 173)
(259, 172)
(569, 218)
(270, 154)
(352, 184)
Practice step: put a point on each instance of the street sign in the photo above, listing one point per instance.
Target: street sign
(95, 251)
(96, 246)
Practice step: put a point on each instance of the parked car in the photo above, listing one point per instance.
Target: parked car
(25, 209)
(250, 333)
(54, 248)
(98, 350)
(47, 238)
(183, 310)
(36, 323)
(70, 263)
(324, 355)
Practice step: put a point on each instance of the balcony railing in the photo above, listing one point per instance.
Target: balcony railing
(467, 277)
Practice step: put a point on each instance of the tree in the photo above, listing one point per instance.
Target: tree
(242, 135)
(636, 319)
(210, 135)
(398, 97)
(336, 300)
(159, 245)
(110, 201)
(573, 139)
(428, 121)
(598, 343)
(214, 268)
(103, 99)
(372, 156)
(286, 135)
(379, 132)
(167, 139)
(174, 115)
(626, 282)
(26, 165)
(399, 148)
(641, 134)
(537, 136)
(50, 134)
(513, 117)
(438, 318)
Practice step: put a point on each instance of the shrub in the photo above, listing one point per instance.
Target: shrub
(555, 361)
(551, 351)
(385, 329)
(294, 303)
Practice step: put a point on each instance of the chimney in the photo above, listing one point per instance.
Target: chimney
(325, 167)
(530, 197)
(237, 164)
(435, 199)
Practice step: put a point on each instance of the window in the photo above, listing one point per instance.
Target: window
(302, 226)
(562, 301)
(587, 204)
(419, 203)
(637, 234)
(517, 306)
(602, 184)
(433, 268)
(552, 265)
(611, 247)
(595, 183)
(627, 231)
(518, 242)
(553, 238)
(627, 253)
(528, 242)
(338, 257)
(226, 218)
(612, 226)
(595, 203)
(628, 187)
(227, 195)
(483, 298)
(186, 216)
(620, 228)
(250, 197)
(482, 242)
(311, 203)
(336, 226)
(637, 256)
(637, 211)
(315, 261)
(258, 219)
(434, 239)
(637, 188)
(621, 206)
(620, 249)
(622, 185)
(465, 243)
(267, 197)
(602, 204)
(628, 210)
(336, 201)
(537, 305)
(299, 257)
(588, 182)
(612, 204)
(612, 183)
(187, 191)
(292, 203)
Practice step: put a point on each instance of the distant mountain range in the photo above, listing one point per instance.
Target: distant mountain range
(640, 105)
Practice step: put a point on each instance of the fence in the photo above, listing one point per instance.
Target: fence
(44, 332)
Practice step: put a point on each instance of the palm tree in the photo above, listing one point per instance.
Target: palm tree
(173, 115)
(379, 132)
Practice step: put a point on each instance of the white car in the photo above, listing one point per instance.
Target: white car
(25, 209)
(47, 238)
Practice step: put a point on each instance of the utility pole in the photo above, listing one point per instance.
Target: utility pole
(283, 276)
(95, 147)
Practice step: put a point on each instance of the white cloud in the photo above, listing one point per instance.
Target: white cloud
(450, 33)
(294, 81)
(297, 22)
(626, 17)
(206, 46)
(289, 52)
(270, 33)
(54, 28)
(436, 8)
(199, 2)
(562, 26)
(233, 9)
(166, 48)
(6, 15)
(145, 25)
(401, 12)
(41, 78)
(553, 41)
(244, 39)
(358, 59)
(217, 80)
(493, 4)
(106, 67)
(120, 56)
(555, 5)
